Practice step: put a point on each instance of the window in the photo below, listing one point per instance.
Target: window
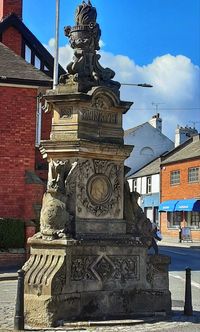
(193, 174)
(37, 63)
(148, 185)
(174, 219)
(175, 177)
(27, 54)
(146, 151)
(135, 185)
(46, 69)
(193, 219)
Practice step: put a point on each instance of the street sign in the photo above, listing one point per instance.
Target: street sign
(186, 234)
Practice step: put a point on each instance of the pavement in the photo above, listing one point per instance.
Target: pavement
(176, 322)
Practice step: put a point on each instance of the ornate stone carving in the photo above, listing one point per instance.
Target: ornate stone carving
(99, 116)
(80, 268)
(126, 267)
(56, 212)
(54, 219)
(105, 268)
(99, 187)
(45, 274)
(137, 223)
(58, 171)
(85, 69)
(66, 113)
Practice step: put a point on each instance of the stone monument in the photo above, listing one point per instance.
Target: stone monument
(89, 260)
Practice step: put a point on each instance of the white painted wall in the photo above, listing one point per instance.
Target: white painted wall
(148, 142)
(141, 184)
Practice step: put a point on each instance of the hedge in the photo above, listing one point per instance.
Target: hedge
(11, 233)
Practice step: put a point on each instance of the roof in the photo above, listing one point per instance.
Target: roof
(31, 41)
(188, 150)
(144, 125)
(14, 69)
(152, 167)
(132, 130)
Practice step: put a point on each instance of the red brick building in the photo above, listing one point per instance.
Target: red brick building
(26, 70)
(20, 188)
(180, 189)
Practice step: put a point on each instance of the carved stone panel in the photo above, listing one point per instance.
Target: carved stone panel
(105, 268)
(99, 189)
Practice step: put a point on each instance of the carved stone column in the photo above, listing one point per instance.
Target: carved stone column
(89, 259)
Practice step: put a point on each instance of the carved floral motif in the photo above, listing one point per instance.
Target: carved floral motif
(105, 268)
(99, 186)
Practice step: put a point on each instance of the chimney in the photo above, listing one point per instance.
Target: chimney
(183, 134)
(156, 122)
(8, 7)
(11, 37)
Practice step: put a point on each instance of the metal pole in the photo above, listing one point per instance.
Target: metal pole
(55, 72)
(180, 234)
(188, 310)
(19, 308)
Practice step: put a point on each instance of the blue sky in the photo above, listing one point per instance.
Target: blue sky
(153, 41)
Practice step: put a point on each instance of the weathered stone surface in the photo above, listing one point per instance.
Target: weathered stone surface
(54, 217)
(85, 71)
(95, 116)
(92, 279)
(90, 258)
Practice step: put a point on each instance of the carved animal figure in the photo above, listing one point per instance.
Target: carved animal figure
(137, 223)
(55, 221)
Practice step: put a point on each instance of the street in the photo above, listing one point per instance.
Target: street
(181, 258)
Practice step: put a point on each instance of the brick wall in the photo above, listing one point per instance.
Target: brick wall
(17, 152)
(41, 164)
(11, 259)
(12, 39)
(184, 190)
(8, 7)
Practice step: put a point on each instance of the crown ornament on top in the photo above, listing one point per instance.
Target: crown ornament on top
(85, 70)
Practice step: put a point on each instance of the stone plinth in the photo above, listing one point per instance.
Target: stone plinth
(93, 279)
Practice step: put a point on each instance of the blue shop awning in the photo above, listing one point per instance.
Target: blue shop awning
(188, 205)
(169, 206)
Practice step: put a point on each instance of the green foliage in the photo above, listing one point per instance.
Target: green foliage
(11, 233)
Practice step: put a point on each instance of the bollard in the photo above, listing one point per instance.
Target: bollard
(180, 234)
(188, 293)
(19, 308)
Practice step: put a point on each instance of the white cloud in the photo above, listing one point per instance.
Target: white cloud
(175, 80)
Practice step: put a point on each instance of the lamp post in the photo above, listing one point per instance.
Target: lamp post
(142, 85)
(55, 72)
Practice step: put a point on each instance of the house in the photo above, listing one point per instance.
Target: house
(180, 189)
(16, 35)
(20, 84)
(26, 70)
(146, 182)
(149, 143)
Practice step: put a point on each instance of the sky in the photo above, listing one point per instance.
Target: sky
(143, 41)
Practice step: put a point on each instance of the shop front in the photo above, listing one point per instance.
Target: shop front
(181, 215)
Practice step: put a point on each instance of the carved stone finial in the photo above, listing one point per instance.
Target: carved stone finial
(85, 70)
